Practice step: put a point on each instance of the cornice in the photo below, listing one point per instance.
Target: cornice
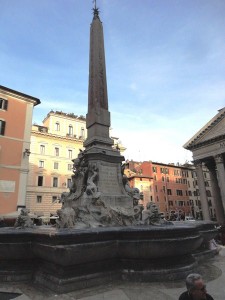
(55, 136)
(19, 95)
(205, 143)
(214, 121)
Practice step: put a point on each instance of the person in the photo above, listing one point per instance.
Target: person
(196, 289)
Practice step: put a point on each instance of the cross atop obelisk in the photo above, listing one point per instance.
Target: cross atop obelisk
(98, 116)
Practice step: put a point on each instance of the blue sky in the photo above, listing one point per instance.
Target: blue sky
(165, 63)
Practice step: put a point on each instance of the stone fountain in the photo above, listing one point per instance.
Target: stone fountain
(102, 234)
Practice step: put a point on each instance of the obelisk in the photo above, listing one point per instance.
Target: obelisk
(98, 145)
(98, 116)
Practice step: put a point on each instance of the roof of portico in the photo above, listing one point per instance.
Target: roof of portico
(213, 131)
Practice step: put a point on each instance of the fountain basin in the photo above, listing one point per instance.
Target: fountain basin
(68, 259)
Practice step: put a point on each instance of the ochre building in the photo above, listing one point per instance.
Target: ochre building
(16, 110)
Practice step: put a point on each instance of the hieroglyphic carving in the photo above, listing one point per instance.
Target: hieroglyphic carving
(109, 179)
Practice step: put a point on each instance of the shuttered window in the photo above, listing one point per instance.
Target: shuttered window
(2, 127)
(3, 104)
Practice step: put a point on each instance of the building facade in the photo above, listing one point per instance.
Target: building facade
(194, 194)
(16, 110)
(208, 148)
(54, 145)
(174, 188)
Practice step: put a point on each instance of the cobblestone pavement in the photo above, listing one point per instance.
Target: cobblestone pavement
(213, 272)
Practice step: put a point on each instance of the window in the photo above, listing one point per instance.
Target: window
(55, 182)
(179, 192)
(3, 104)
(154, 169)
(39, 199)
(70, 153)
(176, 172)
(167, 179)
(164, 170)
(56, 151)
(154, 177)
(54, 199)
(42, 149)
(170, 203)
(208, 193)
(2, 127)
(163, 178)
(189, 193)
(156, 188)
(41, 164)
(70, 167)
(56, 165)
(40, 180)
(70, 130)
(169, 192)
(206, 183)
(57, 126)
(82, 132)
(69, 182)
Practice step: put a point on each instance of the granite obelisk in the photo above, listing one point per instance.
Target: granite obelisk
(98, 145)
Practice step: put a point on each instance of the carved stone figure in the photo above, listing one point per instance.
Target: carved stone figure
(151, 215)
(132, 192)
(138, 212)
(91, 189)
(23, 220)
(66, 218)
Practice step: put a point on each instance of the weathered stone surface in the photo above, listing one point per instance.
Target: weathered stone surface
(68, 259)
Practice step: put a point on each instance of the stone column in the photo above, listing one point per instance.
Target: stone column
(216, 192)
(202, 190)
(221, 177)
